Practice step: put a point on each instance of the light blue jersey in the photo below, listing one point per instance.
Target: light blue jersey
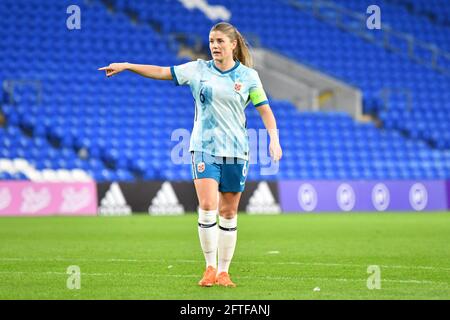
(220, 100)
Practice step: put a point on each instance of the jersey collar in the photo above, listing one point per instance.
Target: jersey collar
(227, 71)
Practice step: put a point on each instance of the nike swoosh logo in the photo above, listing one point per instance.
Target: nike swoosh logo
(242, 183)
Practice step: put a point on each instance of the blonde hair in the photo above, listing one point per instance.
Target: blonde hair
(241, 52)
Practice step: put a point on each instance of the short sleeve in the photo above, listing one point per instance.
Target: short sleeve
(256, 90)
(184, 73)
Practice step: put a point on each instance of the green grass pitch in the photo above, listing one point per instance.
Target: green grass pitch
(277, 257)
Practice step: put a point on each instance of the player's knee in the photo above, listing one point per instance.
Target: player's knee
(228, 213)
(208, 205)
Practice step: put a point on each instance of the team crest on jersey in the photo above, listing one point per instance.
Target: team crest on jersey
(201, 167)
(237, 86)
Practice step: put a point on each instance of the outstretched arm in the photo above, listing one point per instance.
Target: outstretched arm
(271, 126)
(149, 71)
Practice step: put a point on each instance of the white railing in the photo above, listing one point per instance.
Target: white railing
(354, 22)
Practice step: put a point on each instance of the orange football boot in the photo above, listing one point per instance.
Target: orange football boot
(209, 277)
(223, 279)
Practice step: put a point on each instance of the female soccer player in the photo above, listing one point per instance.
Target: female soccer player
(222, 88)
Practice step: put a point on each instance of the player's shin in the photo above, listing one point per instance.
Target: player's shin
(227, 242)
(208, 234)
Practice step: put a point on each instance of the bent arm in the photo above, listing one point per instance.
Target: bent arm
(269, 121)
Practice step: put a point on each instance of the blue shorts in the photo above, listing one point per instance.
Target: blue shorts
(230, 173)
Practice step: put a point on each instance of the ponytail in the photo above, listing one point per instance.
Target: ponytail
(241, 52)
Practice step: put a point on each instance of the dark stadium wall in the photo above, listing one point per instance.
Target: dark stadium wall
(140, 196)
(170, 198)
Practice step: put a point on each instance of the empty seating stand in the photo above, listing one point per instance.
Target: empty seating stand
(69, 116)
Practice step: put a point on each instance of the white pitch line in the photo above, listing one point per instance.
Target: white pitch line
(152, 275)
(234, 262)
(359, 265)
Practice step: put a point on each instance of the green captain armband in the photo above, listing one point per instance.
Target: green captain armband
(258, 97)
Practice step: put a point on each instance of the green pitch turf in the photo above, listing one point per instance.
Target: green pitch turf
(277, 257)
